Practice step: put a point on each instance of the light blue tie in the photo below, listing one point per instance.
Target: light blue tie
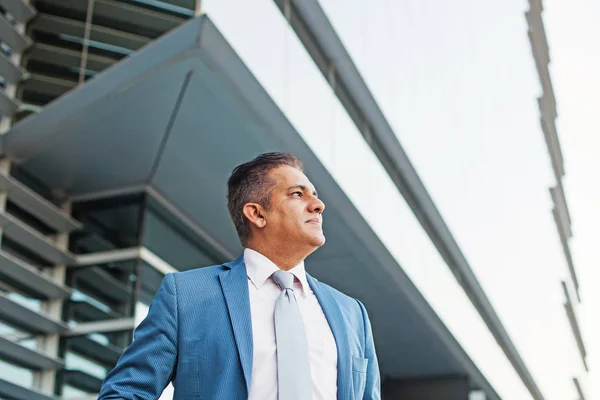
(293, 363)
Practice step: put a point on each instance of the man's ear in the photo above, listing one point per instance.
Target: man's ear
(254, 212)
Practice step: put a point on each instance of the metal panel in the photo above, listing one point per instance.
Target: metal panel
(566, 251)
(104, 354)
(29, 320)
(67, 58)
(189, 4)
(547, 102)
(8, 106)
(579, 389)
(10, 36)
(20, 9)
(11, 72)
(30, 279)
(82, 381)
(575, 325)
(105, 257)
(107, 288)
(47, 85)
(11, 390)
(33, 240)
(27, 358)
(86, 312)
(59, 25)
(124, 13)
(113, 325)
(38, 206)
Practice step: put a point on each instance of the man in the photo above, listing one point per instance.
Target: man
(259, 327)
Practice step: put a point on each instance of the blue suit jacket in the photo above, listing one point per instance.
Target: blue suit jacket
(198, 334)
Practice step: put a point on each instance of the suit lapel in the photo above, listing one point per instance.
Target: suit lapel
(335, 319)
(234, 282)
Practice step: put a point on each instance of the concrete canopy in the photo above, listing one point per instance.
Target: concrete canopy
(176, 117)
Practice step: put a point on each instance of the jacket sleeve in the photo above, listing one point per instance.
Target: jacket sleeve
(373, 385)
(148, 365)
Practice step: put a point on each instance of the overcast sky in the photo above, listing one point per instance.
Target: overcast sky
(458, 84)
(574, 36)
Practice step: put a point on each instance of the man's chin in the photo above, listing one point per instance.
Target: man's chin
(318, 241)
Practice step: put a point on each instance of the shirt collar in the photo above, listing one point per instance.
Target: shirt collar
(259, 268)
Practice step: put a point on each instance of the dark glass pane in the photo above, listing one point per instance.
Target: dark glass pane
(110, 224)
(150, 280)
(101, 292)
(171, 240)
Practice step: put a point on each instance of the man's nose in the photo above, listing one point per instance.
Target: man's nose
(316, 205)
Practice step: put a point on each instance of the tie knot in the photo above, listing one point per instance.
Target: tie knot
(284, 279)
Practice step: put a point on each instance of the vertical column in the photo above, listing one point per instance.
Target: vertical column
(49, 344)
(4, 170)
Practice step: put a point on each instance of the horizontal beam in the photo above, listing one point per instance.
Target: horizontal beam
(20, 9)
(65, 26)
(104, 286)
(25, 357)
(30, 280)
(127, 14)
(105, 257)
(11, 36)
(107, 355)
(10, 390)
(156, 262)
(8, 106)
(33, 240)
(113, 325)
(48, 85)
(87, 312)
(63, 57)
(26, 319)
(82, 380)
(11, 72)
(38, 206)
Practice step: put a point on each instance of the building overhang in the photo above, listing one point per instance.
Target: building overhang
(175, 118)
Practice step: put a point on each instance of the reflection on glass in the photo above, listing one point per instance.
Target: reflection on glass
(69, 392)
(76, 362)
(112, 223)
(165, 237)
(89, 358)
(101, 292)
(18, 375)
(150, 280)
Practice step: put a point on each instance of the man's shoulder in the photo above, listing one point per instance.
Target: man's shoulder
(198, 276)
(341, 298)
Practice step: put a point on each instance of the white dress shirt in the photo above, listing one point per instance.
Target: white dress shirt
(321, 343)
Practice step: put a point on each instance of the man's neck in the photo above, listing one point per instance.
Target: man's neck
(284, 260)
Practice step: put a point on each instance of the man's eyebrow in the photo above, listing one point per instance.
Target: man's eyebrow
(303, 188)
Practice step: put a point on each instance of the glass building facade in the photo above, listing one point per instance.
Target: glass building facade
(82, 255)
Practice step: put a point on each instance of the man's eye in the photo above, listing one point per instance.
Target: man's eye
(299, 194)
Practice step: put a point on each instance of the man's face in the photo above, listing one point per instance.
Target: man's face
(295, 213)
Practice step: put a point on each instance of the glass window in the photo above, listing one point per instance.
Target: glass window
(101, 292)
(172, 241)
(112, 223)
(15, 374)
